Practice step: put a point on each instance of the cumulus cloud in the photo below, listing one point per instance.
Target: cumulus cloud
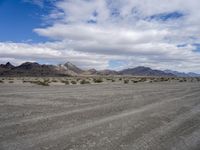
(94, 33)
(49, 53)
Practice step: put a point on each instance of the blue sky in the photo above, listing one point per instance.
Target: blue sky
(18, 19)
(102, 34)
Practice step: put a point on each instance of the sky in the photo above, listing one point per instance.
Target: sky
(102, 34)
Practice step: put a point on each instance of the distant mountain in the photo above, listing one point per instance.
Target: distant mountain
(73, 68)
(29, 69)
(108, 72)
(90, 72)
(8, 65)
(144, 71)
(69, 69)
(183, 74)
(192, 74)
(5, 69)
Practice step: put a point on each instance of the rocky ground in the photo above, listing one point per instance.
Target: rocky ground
(114, 116)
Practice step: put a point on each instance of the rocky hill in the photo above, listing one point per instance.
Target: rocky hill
(69, 69)
(144, 71)
(183, 74)
(29, 69)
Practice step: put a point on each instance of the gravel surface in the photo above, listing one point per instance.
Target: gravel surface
(143, 116)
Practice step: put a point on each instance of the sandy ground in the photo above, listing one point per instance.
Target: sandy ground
(143, 116)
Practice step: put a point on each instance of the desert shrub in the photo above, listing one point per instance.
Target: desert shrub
(84, 82)
(126, 81)
(113, 80)
(66, 82)
(73, 82)
(108, 79)
(26, 81)
(198, 79)
(155, 80)
(181, 81)
(43, 83)
(78, 79)
(162, 79)
(11, 82)
(54, 80)
(150, 81)
(134, 81)
(143, 79)
(167, 79)
(47, 80)
(98, 80)
(1, 81)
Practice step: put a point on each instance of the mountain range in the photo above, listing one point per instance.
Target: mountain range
(182, 74)
(69, 69)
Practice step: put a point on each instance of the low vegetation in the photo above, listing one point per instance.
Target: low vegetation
(84, 82)
(126, 81)
(43, 83)
(38, 82)
(46, 81)
(98, 80)
(134, 81)
(66, 82)
(73, 82)
(54, 80)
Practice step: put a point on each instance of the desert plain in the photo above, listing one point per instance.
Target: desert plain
(111, 115)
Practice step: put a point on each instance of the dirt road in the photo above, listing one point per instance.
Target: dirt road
(143, 116)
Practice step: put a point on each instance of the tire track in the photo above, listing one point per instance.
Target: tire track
(21, 143)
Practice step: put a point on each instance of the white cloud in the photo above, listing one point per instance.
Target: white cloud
(49, 52)
(36, 2)
(91, 33)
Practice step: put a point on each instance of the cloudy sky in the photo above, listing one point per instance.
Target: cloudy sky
(102, 34)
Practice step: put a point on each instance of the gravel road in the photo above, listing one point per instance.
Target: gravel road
(143, 116)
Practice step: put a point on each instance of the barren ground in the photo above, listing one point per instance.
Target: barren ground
(143, 116)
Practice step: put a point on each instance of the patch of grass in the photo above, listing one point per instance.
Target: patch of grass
(1, 81)
(11, 82)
